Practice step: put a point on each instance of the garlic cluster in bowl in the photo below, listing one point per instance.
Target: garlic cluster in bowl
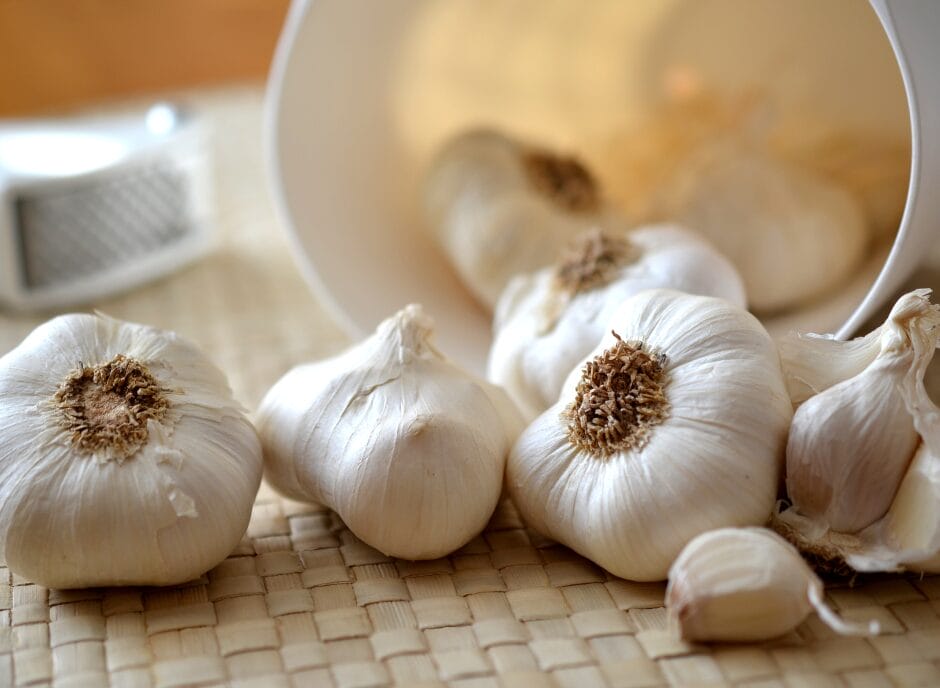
(633, 408)
(660, 412)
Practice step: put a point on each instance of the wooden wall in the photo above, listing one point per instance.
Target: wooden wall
(56, 54)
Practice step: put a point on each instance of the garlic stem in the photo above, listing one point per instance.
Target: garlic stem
(836, 622)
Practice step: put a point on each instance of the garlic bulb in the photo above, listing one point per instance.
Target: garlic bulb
(674, 425)
(863, 417)
(546, 322)
(793, 235)
(746, 584)
(124, 458)
(501, 207)
(405, 446)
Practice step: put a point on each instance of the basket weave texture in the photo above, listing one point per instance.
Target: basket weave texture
(302, 602)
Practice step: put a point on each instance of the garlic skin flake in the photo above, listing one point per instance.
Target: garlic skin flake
(501, 207)
(405, 446)
(745, 585)
(862, 454)
(674, 425)
(124, 458)
(548, 321)
(792, 234)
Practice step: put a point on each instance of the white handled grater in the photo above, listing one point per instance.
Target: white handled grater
(93, 207)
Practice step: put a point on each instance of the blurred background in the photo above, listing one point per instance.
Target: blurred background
(91, 61)
(245, 301)
(58, 55)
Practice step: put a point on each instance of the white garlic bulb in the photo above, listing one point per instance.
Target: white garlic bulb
(501, 207)
(743, 585)
(792, 234)
(405, 446)
(863, 417)
(546, 322)
(124, 459)
(675, 425)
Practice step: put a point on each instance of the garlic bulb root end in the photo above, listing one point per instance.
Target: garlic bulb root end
(619, 399)
(107, 407)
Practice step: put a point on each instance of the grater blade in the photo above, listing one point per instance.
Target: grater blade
(67, 234)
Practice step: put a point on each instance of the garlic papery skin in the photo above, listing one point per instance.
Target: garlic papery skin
(548, 321)
(792, 234)
(405, 446)
(501, 207)
(746, 585)
(673, 426)
(124, 459)
(850, 445)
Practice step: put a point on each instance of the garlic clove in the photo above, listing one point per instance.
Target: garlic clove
(673, 426)
(124, 459)
(849, 447)
(500, 207)
(912, 524)
(744, 585)
(546, 322)
(793, 235)
(405, 446)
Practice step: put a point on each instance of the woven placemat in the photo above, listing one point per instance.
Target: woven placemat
(302, 602)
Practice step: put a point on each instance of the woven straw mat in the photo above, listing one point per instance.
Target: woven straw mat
(302, 602)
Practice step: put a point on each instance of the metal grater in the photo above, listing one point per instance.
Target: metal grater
(75, 237)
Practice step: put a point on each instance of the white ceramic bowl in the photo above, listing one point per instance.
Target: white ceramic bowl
(362, 92)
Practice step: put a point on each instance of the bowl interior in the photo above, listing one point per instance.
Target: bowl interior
(362, 94)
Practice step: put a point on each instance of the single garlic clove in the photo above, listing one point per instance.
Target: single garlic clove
(792, 234)
(849, 447)
(548, 321)
(124, 459)
(672, 426)
(501, 207)
(405, 446)
(743, 585)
